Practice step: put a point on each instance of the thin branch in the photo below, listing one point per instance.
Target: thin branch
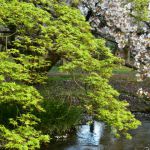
(4, 36)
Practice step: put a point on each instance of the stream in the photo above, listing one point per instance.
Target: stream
(99, 137)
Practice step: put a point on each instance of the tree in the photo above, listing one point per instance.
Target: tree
(43, 32)
(17, 102)
(126, 24)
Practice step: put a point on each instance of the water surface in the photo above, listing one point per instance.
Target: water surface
(98, 137)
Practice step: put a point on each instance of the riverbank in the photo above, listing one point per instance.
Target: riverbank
(124, 81)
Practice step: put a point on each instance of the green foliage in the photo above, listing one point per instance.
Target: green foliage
(63, 112)
(11, 91)
(59, 116)
(24, 136)
(30, 43)
(107, 107)
(17, 131)
(42, 36)
(141, 9)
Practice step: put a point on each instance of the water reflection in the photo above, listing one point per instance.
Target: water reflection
(90, 134)
(140, 141)
(98, 137)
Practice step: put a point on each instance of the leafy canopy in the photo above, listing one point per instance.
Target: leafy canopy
(18, 132)
(44, 32)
